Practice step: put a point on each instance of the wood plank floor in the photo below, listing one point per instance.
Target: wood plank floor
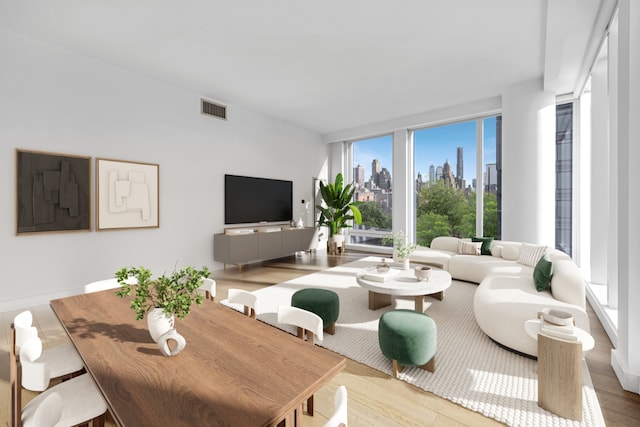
(375, 399)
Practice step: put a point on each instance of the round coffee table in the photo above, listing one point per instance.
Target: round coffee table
(399, 282)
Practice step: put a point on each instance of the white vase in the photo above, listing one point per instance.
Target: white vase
(405, 264)
(158, 323)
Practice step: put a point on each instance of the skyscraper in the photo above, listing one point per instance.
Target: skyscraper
(358, 174)
(384, 179)
(492, 178)
(447, 175)
(438, 173)
(432, 174)
(375, 171)
(460, 170)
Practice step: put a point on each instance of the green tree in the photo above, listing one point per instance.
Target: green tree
(373, 217)
(490, 219)
(429, 226)
(445, 201)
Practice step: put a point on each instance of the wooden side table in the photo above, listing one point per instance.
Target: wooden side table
(560, 370)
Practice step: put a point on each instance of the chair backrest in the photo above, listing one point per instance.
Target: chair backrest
(209, 288)
(247, 299)
(24, 328)
(35, 374)
(303, 319)
(101, 285)
(15, 379)
(46, 414)
(339, 417)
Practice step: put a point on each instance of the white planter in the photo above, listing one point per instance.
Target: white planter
(405, 264)
(158, 323)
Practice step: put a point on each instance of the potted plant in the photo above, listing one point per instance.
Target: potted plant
(339, 210)
(163, 297)
(402, 249)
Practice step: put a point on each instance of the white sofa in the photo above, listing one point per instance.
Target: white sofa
(506, 296)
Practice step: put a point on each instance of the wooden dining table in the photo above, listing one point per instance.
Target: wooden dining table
(234, 370)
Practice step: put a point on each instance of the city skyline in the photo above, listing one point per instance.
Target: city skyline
(432, 146)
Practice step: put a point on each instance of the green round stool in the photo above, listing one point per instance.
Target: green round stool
(408, 338)
(323, 302)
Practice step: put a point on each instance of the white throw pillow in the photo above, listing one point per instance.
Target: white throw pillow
(531, 254)
(496, 251)
(510, 252)
(469, 248)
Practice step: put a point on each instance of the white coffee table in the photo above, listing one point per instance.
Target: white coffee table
(399, 282)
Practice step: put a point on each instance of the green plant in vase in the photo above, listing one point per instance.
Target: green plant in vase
(340, 208)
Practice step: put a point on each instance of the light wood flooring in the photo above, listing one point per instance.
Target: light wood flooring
(375, 399)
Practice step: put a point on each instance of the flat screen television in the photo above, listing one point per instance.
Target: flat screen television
(254, 200)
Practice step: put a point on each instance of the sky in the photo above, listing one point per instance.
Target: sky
(433, 146)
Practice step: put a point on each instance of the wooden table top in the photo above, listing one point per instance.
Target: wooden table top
(234, 370)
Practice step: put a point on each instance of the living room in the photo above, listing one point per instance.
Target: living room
(62, 94)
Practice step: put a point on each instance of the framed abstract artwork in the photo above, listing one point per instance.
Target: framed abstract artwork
(127, 194)
(53, 192)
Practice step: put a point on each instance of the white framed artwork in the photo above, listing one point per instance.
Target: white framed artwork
(127, 194)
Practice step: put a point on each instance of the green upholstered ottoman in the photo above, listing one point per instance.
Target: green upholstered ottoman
(323, 302)
(408, 338)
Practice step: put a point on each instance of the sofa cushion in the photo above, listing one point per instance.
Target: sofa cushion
(472, 268)
(445, 243)
(469, 248)
(486, 244)
(542, 273)
(496, 251)
(510, 252)
(567, 283)
(438, 258)
(531, 254)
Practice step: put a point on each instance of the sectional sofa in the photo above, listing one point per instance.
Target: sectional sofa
(507, 296)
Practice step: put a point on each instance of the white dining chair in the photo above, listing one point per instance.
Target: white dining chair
(40, 367)
(24, 329)
(101, 285)
(209, 288)
(308, 324)
(339, 417)
(79, 400)
(248, 299)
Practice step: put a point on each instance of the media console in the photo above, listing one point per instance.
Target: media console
(244, 245)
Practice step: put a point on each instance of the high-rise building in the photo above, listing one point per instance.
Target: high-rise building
(460, 170)
(438, 173)
(491, 185)
(375, 171)
(432, 174)
(358, 174)
(447, 175)
(384, 179)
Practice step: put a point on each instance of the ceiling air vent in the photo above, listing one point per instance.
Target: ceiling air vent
(210, 109)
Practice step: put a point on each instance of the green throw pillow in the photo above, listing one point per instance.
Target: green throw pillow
(542, 273)
(486, 244)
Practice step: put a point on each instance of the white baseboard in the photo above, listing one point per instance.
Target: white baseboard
(25, 303)
(630, 381)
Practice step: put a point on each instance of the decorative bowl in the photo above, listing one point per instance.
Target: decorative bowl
(422, 272)
(557, 317)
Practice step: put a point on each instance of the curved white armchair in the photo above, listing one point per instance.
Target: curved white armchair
(101, 285)
(46, 414)
(306, 321)
(339, 417)
(39, 367)
(209, 288)
(247, 299)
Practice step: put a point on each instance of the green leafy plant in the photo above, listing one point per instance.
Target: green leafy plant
(174, 293)
(340, 207)
(400, 244)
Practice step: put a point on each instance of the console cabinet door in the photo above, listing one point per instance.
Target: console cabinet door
(269, 245)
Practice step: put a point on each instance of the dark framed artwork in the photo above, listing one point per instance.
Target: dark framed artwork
(127, 194)
(53, 192)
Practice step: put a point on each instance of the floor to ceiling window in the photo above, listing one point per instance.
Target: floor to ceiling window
(449, 184)
(564, 177)
(372, 177)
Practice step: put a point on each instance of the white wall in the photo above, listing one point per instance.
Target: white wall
(528, 164)
(58, 101)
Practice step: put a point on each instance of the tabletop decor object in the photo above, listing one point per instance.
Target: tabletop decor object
(162, 298)
(402, 249)
(382, 266)
(422, 272)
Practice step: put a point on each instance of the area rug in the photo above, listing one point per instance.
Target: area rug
(471, 370)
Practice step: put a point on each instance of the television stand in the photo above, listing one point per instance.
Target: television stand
(241, 246)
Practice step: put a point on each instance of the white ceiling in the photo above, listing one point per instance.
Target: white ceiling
(328, 65)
